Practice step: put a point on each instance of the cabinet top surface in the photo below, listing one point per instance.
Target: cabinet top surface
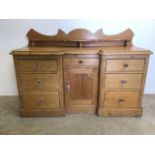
(83, 50)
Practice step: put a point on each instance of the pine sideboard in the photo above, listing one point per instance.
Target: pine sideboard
(80, 72)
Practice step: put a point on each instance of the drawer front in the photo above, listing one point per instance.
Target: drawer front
(121, 99)
(123, 81)
(125, 65)
(80, 62)
(38, 65)
(39, 83)
(50, 100)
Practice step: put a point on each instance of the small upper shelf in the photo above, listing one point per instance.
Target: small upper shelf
(80, 38)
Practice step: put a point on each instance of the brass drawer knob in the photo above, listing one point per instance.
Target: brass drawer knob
(80, 62)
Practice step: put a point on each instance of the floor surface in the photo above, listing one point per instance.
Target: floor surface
(75, 124)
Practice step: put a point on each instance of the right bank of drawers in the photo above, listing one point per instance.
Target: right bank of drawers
(123, 81)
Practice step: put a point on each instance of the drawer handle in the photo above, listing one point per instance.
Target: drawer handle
(123, 82)
(120, 101)
(36, 67)
(41, 101)
(80, 62)
(125, 65)
(39, 83)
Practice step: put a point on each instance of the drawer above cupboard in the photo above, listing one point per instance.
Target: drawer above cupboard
(81, 62)
(125, 65)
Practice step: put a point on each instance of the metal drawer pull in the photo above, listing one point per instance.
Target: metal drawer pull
(125, 65)
(80, 62)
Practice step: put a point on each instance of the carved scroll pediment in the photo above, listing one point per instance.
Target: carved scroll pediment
(34, 35)
(79, 36)
(82, 34)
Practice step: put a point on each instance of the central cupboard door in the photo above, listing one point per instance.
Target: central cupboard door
(80, 87)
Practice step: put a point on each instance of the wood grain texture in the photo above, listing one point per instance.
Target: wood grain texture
(123, 81)
(80, 62)
(121, 99)
(125, 65)
(41, 100)
(107, 51)
(38, 65)
(37, 83)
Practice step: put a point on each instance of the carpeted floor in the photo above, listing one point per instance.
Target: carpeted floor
(78, 124)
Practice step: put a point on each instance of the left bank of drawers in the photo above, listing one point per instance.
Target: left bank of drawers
(39, 82)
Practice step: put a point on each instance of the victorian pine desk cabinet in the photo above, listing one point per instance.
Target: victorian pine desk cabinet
(80, 72)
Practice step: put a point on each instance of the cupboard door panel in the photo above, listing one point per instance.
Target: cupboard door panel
(80, 86)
